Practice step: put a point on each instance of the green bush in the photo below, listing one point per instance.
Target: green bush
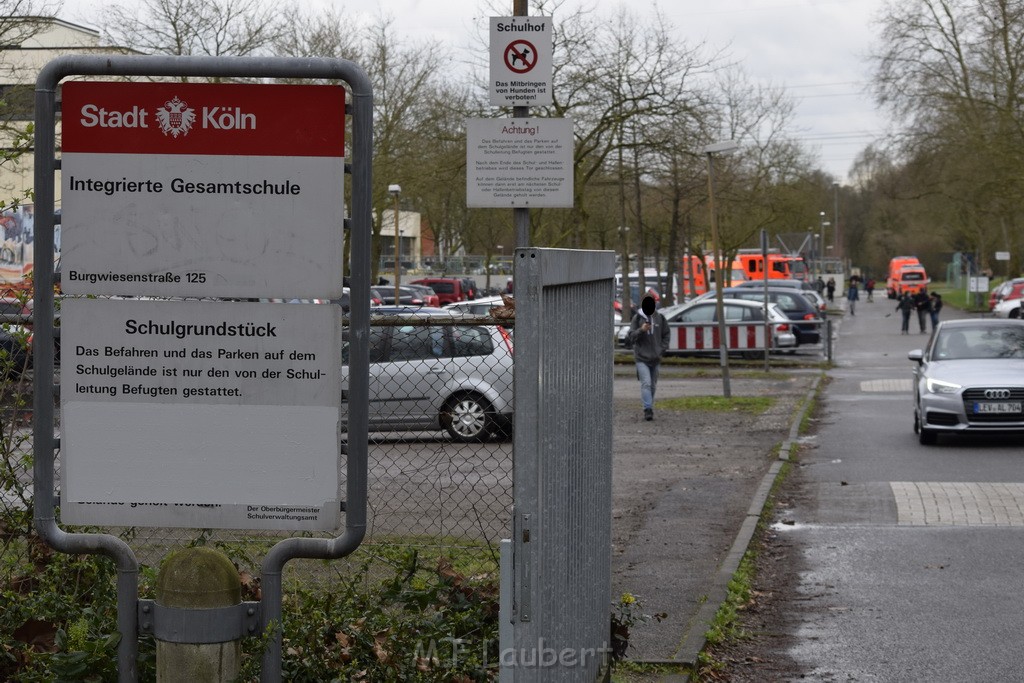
(423, 623)
(420, 623)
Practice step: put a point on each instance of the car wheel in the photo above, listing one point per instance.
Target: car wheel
(1015, 313)
(467, 418)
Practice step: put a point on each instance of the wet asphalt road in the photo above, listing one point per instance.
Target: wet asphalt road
(914, 555)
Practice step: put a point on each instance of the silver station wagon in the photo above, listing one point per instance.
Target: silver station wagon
(429, 372)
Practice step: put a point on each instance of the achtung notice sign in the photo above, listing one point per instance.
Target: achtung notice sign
(199, 189)
(521, 64)
(520, 163)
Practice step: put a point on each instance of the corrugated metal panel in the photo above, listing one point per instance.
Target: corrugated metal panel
(563, 458)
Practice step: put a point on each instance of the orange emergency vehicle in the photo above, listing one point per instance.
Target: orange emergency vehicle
(906, 274)
(697, 276)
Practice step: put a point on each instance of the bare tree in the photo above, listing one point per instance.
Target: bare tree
(950, 70)
(417, 116)
(196, 27)
(21, 22)
(328, 33)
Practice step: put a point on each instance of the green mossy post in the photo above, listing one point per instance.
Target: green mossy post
(197, 578)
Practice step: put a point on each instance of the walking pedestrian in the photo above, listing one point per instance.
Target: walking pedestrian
(830, 287)
(869, 287)
(852, 297)
(649, 337)
(924, 306)
(936, 307)
(905, 305)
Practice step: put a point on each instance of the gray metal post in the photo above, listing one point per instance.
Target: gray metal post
(563, 467)
(44, 442)
(720, 275)
(521, 216)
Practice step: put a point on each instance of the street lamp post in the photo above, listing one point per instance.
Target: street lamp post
(726, 147)
(395, 191)
(835, 220)
(819, 265)
(821, 242)
(626, 294)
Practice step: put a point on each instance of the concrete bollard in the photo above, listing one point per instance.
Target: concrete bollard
(197, 578)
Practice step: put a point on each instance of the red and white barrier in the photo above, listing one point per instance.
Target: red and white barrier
(704, 337)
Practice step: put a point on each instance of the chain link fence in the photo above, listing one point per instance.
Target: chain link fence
(440, 455)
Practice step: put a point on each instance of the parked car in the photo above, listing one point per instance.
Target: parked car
(16, 336)
(970, 379)
(345, 300)
(407, 296)
(1000, 291)
(1008, 308)
(15, 306)
(736, 310)
(798, 308)
(429, 296)
(425, 375)
(1008, 304)
(806, 289)
(448, 289)
(779, 282)
(481, 306)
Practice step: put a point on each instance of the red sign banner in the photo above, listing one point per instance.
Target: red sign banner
(202, 119)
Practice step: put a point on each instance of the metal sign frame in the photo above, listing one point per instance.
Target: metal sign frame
(360, 230)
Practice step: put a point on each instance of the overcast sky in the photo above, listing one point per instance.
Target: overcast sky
(815, 49)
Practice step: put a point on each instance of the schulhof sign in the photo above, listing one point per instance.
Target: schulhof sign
(521, 64)
(189, 413)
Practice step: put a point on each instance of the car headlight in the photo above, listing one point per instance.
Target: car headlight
(937, 386)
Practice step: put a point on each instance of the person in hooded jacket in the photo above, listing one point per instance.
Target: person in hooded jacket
(649, 337)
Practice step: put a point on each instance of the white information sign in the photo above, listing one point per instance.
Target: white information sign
(977, 283)
(1002, 256)
(198, 189)
(521, 64)
(200, 414)
(519, 163)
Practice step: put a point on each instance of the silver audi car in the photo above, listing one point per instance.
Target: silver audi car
(970, 379)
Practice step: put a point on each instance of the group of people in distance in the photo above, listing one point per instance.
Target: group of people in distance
(927, 306)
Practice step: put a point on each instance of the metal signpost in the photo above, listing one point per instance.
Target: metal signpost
(223, 412)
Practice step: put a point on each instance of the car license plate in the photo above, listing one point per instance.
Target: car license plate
(997, 408)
